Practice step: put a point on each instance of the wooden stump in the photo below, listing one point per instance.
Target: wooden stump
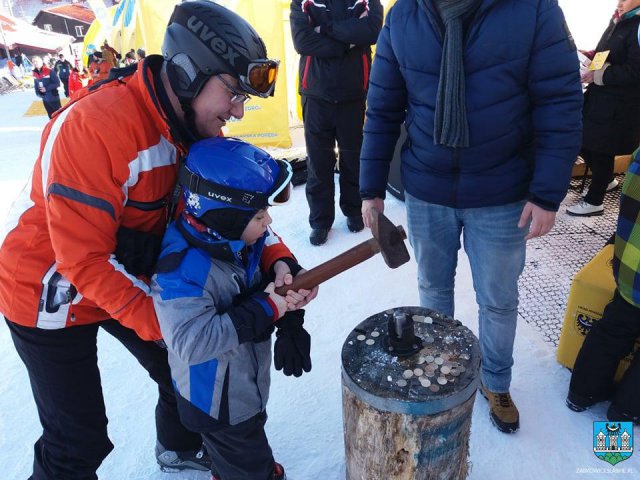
(409, 418)
(405, 447)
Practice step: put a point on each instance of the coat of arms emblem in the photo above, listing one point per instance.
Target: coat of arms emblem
(613, 441)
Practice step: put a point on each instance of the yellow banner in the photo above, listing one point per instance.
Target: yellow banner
(142, 23)
(266, 121)
(132, 24)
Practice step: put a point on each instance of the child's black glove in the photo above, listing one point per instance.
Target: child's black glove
(291, 352)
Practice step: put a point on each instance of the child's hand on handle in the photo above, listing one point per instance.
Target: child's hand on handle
(299, 299)
(279, 301)
(282, 273)
(295, 299)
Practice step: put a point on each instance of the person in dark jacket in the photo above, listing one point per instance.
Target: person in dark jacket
(217, 310)
(46, 83)
(334, 40)
(489, 92)
(611, 113)
(130, 57)
(614, 336)
(63, 69)
(19, 60)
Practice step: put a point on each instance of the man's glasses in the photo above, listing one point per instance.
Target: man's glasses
(237, 97)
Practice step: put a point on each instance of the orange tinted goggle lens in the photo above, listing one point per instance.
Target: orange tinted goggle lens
(263, 76)
(282, 192)
(282, 196)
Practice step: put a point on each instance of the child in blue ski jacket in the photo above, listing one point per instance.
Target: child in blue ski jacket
(215, 312)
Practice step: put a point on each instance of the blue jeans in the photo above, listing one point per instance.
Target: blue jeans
(496, 249)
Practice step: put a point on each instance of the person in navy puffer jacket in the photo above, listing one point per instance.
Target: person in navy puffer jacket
(489, 92)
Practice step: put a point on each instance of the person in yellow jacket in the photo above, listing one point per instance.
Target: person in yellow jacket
(84, 234)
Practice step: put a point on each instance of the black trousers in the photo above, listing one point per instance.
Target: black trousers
(65, 84)
(610, 340)
(242, 451)
(601, 165)
(326, 123)
(65, 381)
(52, 106)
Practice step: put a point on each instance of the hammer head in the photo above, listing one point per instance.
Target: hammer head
(391, 240)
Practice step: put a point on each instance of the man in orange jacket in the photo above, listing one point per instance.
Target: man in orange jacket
(83, 236)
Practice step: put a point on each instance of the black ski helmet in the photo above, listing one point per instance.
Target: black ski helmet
(204, 39)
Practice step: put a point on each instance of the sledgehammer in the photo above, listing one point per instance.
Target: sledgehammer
(388, 240)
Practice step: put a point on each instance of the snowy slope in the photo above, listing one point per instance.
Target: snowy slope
(305, 424)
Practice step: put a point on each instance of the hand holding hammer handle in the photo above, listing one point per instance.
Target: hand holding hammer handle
(333, 267)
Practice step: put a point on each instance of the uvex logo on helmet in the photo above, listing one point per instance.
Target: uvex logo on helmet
(217, 44)
(218, 196)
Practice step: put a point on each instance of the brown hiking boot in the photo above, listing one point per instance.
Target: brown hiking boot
(502, 410)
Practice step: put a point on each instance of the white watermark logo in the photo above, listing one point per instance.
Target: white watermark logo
(605, 470)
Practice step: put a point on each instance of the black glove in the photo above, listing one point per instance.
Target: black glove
(291, 352)
(137, 251)
(318, 15)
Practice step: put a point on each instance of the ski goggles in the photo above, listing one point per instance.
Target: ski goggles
(237, 197)
(260, 79)
(282, 191)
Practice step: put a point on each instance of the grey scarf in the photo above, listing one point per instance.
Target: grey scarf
(451, 128)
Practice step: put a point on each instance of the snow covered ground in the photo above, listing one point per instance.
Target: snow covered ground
(305, 422)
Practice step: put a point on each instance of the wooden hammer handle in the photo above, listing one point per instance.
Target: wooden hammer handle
(333, 267)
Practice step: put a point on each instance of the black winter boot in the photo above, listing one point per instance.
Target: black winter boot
(318, 236)
(614, 415)
(171, 461)
(578, 403)
(355, 224)
(278, 473)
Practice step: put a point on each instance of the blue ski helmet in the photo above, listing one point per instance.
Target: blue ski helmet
(228, 173)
